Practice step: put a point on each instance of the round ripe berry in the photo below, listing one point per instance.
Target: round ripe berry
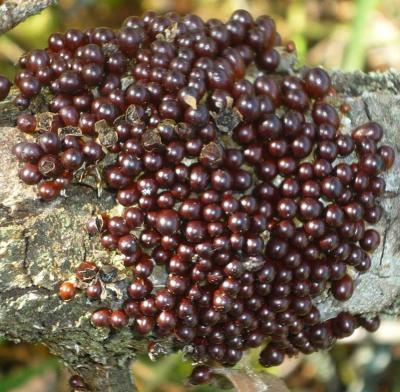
(278, 148)
(137, 94)
(344, 324)
(168, 222)
(388, 155)
(72, 159)
(30, 174)
(370, 130)
(309, 208)
(70, 82)
(69, 115)
(140, 288)
(170, 109)
(200, 375)
(166, 320)
(271, 356)
(196, 231)
(115, 178)
(372, 164)
(345, 144)
(74, 38)
(67, 291)
(76, 382)
(49, 142)
(286, 208)
(30, 87)
(128, 245)
(21, 102)
(92, 151)
(101, 318)
(325, 113)
(92, 74)
(5, 86)
(48, 190)
(317, 82)
(334, 215)
(128, 196)
(269, 60)
(249, 107)
(343, 289)
(370, 324)
(26, 123)
(56, 42)
(94, 291)
(239, 222)
(129, 40)
(144, 267)
(198, 117)
(144, 325)
(370, 241)
(164, 300)
(118, 319)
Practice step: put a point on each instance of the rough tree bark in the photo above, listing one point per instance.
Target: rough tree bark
(42, 243)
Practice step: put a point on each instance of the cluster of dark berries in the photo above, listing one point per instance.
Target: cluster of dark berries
(242, 188)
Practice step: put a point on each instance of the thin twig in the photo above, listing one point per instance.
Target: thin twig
(15, 12)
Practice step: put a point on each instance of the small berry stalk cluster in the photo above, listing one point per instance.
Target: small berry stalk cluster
(244, 190)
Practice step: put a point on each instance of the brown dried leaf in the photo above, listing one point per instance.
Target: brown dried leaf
(167, 122)
(75, 131)
(229, 102)
(185, 131)
(212, 154)
(168, 34)
(151, 139)
(38, 103)
(92, 178)
(46, 166)
(227, 119)
(98, 222)
(109, 48)
(191, 101)
(253, 263)
(133, 114)
(86, 175)
(126, 82)
(119, 121)
(109, 274)
(44, 121)
(106, 134)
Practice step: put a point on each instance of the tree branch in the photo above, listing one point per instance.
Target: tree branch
(375, 97)
(15, 12)
(42, 243)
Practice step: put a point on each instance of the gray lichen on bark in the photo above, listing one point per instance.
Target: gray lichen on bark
(375, 97)
(40, 245)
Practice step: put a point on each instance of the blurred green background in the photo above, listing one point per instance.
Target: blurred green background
(344, 34)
